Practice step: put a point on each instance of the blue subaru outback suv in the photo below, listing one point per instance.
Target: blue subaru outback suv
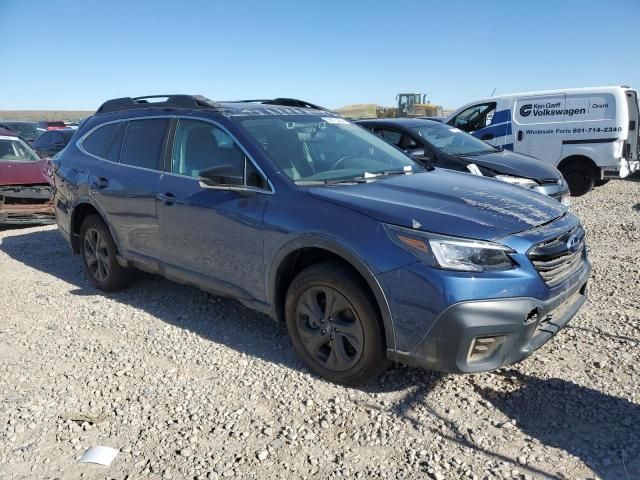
(367, 256)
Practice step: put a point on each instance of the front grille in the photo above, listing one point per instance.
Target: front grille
(559, 258)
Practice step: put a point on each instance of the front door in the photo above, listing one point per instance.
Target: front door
(210, 232)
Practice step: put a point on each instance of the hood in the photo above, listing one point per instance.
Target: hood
(511, 163)
(447, 202)
(24, 173)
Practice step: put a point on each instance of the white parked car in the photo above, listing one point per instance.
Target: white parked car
(589, 134)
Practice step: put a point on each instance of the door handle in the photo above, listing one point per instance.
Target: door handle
(520, 135)
(101, 182)
(488, 136)
(168, 198)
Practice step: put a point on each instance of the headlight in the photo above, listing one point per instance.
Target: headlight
(520, 181)
(452, 253)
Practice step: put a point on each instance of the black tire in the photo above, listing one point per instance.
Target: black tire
(602, 182)
(344, 344)
(580, 177)
(98, 252)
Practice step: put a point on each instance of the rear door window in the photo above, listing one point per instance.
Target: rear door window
(105, 142)
(143, 143)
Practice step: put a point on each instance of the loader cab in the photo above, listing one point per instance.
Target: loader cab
(407, 103)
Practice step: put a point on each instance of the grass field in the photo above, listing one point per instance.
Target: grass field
(35, 115)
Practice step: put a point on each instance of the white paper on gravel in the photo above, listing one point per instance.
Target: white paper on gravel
(101, 455)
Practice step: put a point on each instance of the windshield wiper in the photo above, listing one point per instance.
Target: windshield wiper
(473, 154)
(360, 179)
(331, 182)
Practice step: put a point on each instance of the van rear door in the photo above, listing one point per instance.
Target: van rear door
(633, 140)
(538, 123)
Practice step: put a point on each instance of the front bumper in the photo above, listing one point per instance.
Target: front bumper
(20, 205)
(477, 336)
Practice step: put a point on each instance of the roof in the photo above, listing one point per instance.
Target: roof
(403, 122)
(606, 89)
(8, 133)
(279, 106)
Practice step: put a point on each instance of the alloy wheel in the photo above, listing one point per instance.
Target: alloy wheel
(96, 255)
(329, 328)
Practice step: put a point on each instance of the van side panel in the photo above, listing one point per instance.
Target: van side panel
(539, 126)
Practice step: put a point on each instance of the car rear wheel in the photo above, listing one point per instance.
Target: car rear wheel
(333, 325)
(98, 251)
(581, 178)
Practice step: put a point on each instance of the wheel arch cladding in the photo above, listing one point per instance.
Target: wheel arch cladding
(300, 254)
(80, 213)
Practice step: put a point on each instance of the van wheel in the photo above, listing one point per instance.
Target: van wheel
(580, 178)
(98, 251)
(333, 325)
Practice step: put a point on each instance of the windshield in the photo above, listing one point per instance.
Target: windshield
(25, 130)
(451, 140)
(309, 148)
(13, 149)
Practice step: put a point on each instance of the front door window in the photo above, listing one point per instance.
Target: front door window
(475, 117)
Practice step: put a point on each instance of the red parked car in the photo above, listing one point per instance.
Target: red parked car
(25, 187)
(51, 125)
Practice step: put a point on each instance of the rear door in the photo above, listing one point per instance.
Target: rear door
(538, 124)
(124, 183)
(633, 140)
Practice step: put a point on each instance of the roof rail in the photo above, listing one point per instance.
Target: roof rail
(172, 101)
(285, 102)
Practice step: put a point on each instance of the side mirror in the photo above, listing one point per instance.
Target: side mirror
(423, 156)
(221, 176)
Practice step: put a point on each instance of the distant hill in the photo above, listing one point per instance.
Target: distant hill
(365, 110)
(35, 115)
(358, 110)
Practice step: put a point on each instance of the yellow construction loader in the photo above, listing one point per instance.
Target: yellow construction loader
(410, 105)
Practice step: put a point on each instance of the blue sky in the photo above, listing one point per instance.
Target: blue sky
(74, 54)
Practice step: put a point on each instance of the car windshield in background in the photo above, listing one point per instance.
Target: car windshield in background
(15, 150)
(25, 130)
(451, 140)
(308, 148)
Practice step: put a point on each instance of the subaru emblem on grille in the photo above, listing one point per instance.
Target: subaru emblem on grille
(573, 243)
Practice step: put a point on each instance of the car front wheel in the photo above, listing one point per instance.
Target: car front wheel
(333, 325)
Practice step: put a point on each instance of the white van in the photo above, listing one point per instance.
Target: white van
(589, 134)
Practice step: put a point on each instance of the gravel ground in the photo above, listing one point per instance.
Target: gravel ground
(188, 385)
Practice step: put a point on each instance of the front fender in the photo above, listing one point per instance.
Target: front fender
(326, 243)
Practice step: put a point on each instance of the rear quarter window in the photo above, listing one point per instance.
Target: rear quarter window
(105, 141)
(143, 143)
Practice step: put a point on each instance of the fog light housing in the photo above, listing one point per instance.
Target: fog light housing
(483, 348)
